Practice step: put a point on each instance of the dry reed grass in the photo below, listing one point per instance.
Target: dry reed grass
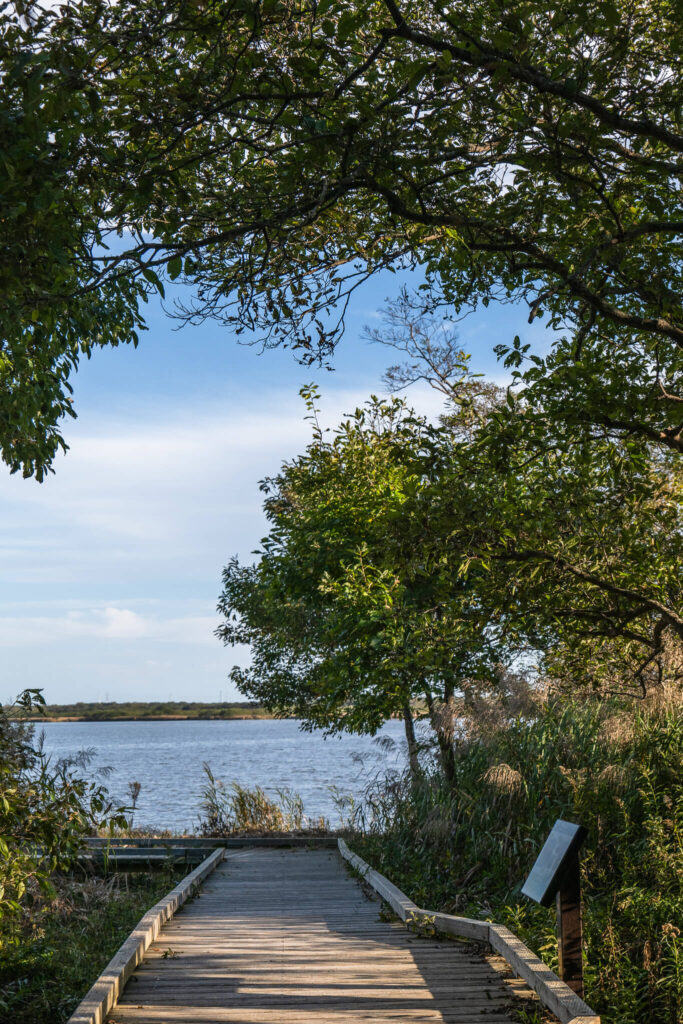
(504, 780)
(236, 809)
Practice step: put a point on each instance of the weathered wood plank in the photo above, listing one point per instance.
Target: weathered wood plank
(234, 843)
(109, 986)
(461, 927)
(288, 937)
(553, 992)
(397, 900)
(268, 1015)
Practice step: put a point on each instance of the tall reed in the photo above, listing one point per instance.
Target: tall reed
(237, 809)
(467, 848)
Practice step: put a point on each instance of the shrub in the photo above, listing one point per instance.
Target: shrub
(67, 940)
(46, 810)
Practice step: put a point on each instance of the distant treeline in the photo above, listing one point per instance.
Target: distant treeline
(115, 711)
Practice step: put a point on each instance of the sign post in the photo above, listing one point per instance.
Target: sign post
(556, 875)
(569, 926)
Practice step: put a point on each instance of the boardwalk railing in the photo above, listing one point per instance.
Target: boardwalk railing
(105, 992)
(552, 992)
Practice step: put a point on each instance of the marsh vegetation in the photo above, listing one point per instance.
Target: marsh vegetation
(465, 845)
(67, 938)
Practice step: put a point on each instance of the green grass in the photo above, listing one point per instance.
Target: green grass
(115, 711)
(68, 940)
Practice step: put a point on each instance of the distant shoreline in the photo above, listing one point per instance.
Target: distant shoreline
(149, 711)
(150, 718)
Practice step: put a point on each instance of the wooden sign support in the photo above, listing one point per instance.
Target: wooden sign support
(569, 927)
(557, 875)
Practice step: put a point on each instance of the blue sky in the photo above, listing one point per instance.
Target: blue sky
(110, 570)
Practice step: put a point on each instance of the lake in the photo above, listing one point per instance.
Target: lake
(167, 758)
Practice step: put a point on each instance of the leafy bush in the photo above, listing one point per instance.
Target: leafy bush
(67, 940)
(467, 848)
(46, 810)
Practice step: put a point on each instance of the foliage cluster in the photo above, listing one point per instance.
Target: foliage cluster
(46, 810)
(68, 938)
(325, 610)
(273, 154)
(466, 847)
(405, 558)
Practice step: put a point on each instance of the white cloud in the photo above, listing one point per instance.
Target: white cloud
(131, 534)
(157, 496)
(121, 624)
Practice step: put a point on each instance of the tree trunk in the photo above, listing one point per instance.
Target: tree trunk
(413, 759)
(447, 756)
(442, 722)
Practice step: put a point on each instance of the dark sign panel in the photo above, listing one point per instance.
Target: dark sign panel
(558, 850)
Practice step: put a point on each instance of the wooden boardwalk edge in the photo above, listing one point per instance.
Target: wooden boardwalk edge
(552, 992)
(103, 995)
(189, 842)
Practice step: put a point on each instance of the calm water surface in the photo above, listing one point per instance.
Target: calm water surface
(167, 757)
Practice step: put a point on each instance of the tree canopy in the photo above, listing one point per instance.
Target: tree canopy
(53, 217)
(580, 530)
(275, 153)
(408, 561)
(351, 610)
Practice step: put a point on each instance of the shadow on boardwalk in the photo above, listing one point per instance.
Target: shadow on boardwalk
(289, 936)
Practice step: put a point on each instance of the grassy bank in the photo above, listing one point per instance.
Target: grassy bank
(67, 941)
(465, 847)
(140, 711)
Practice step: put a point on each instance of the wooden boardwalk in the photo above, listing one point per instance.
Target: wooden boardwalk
(288, 936)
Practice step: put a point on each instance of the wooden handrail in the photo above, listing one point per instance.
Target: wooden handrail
(95, 1006)
(552, 992)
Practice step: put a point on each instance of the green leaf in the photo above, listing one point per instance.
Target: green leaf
(610, 13)
(151, 276)
(174, 267)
